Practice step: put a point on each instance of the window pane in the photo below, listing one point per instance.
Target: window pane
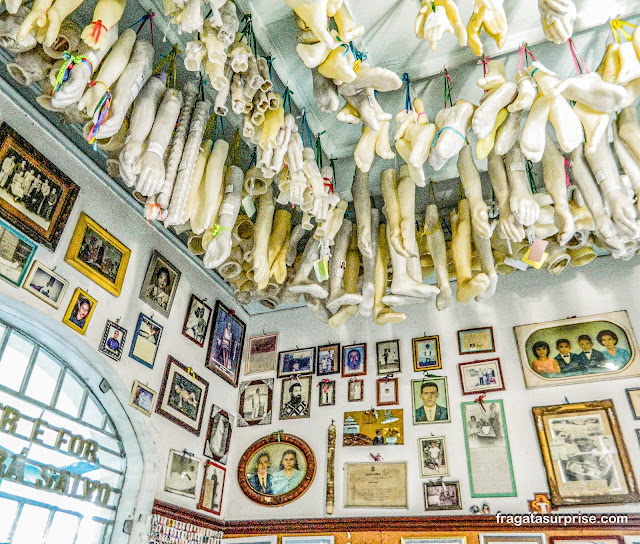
(8, 509)
(31, 526)
(44, 377)
(92, 414)
(63, 528)
(15, 360)
(90, 531)
(70, 396)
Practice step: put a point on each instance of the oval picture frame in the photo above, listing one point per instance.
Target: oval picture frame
(276, 446)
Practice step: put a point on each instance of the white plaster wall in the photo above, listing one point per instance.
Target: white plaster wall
(522, 298)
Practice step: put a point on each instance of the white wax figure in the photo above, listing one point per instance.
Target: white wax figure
(470, 179)
(508, 133)
(362, 203)
(487, 14)
(414, 135)
(106, 15)
(533, 136)
(525, 208)
(301, 282)
(438, 251)
(557, 18)
(382, 313)
(436, 18)
(389, 189)
(278, 244)
(196, 187)
(264, 222)
(369, 264)
(484, 118)
(452, 124)
(338, 264)
(554, 177)
(9, 27)
(349, 302)
(30, 66)
(508, 225)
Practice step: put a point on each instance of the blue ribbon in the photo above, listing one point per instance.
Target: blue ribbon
(450, 128)
(407, 97)
(305, 124)
(286, 98)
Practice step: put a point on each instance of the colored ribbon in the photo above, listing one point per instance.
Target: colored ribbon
(270, 60)
(191, 373)
(328, 184)
(480, 401)
(305, 124)
(407, 96)
(567, 165)
(286, 98)
(319, 149)
(278, 434)
(435, 139)
(531, 176)
(247, 31)
(617, 25)
(100, 115)
(448, 89)
(69, 62)
(576, 57)
(217, 228)
(97, 30)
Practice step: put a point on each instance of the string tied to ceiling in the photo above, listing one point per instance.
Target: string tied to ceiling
(531, 176)
(286, 98)
(319, 149)
(579, 63)
(270, 60)
(235, 152)
(169, 60)
(304, 125)
(254, 157)
(332, 163)
(359, 56)
(617, 29)
(247, 32)
(435, 139)
(525, 54)
(210, 128)
(143, 21)
(448, 89)
(407, 92)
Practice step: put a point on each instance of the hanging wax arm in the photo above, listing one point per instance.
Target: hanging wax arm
(106, 14)
(196, 187)
(470, 179)
(508, 225)
(206, 212)
(362, 203)
(263, 224)
(9, 28)
(452, 124)
(438, 251)
(523, 205)
(338, 263)
(389, 189)
(487, 265)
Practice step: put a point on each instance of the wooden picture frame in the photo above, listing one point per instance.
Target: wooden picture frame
(226, 344)
(328, 359)
(512, 538)
(78, 315)
(45, 284)
(319, 539)
(586, 539)
(279, 488)
(182, 474)
(146, 340)
(633, 395)
(476, 340)
(196, 320)
(142, 398)
(113, 340)
(376, 485)
(432, 453)
(355, 390)
(255, 403)
(478, 377)
(434, 540)
(183, 396)
(218, 438)
(388, 357)
(426, 353)
(263, 354)
(42, 217)
(384, 427)
(327, 393)
(584, 454)
(295, 398)
(427, 390)
(354, 360)
(17, 250)
(442, 496)
(386, 391)
(160, 284)
(212, 489)
(296, 361)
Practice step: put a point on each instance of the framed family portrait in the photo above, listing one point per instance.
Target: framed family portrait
(218, 440)
(263, 354)
(430, 398)
(295, 398)
(98, 255)
(183, 396)
(581, 349)
(45, 284)
(276, 469)
(426, 353)
(481, 376)
(355, 390)
(113, 338)
(442, 496)
(328, 359)
(327, 393)
(388, 357)
(16, 253)
(296, 361)
(225, 344)
(255, 404)
(375, 485)
(35, 196)
(196, 322)
(633, 395)
(584, 454)
(373, 428)
(386, 391)
(143, 398)
(182, 474)
(80, 311)
(160, 284)
(212, 487)
(479, 340)
(354, 360)
(433, 457)
(146, 340)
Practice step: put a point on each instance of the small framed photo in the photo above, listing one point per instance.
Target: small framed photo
(45, 284)
(182, 474)
(328, 360)
(80, 311)
(514, 538)
(143, 398)
(146, 340)
(113, 339)
(212, 487)
(586, 539)
(388, 357)
(255, 403)
(160, 284)
(296, 361)
(386, 391)
(196, 322)
(356, 390)
(218, 440)
(16, 252)
(442, 496)
(226, 343)
(436, 540)
(426, 353)
(263, 354)
(433, 457)
(481, 376)
(354, 360)
(320, 539)
(633, 395)
(295, 398)
(430, 400)
(327, 395)
(478, 340)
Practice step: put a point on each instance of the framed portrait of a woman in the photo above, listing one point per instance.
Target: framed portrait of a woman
(160, 284)
(226, 343)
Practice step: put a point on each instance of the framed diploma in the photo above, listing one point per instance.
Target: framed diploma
(375, 485)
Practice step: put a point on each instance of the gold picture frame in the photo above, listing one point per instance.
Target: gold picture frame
(98, 255)
(584, 454)
(80, 311)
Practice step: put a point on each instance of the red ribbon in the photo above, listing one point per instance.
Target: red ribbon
(576, 58)
(567, 165)
(328, 184)
(480, 400)
(97, 30)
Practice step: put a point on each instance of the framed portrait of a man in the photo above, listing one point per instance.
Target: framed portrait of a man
(80, 311)
(295, 398)
(226, 343)
(212, 487)
(160, 284)
(256, 401)
(430, 400)
(196, 322)
(354, 360)
(218, 440)
(113, 338)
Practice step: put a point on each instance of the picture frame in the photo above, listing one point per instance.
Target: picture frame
(269, 539)
(98, 255)
(143, 398)
(354, 360)
(478, 377)
(386, 391)
(587, 539)
(296, 361)
(196, 320)
(584, 454)
(255, 402)
(212, 489)
(477, 340)
(355, 390)
(631, 539)
(80, 311)
(426, 353)
(45, 284)
(263, 354)
(373, 427)
(388, 357)
(328, 359)
(182, 474)
(218, 438)
(41, 214)
(633, 394)
(442, 495)
(316, 539)
(160, 284)
(435, 540)
(430, 400)
(17, 251)
(432, 452)
(183, 396)
(577, 337)
(327, 393)
(295, 398)
(113, 340)
(512, 538)
(269, 484)
(146, 339)
(376, 485)
(226, 343)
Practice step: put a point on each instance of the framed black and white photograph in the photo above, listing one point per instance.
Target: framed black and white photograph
(212, 487)
(113, 338)
(146, 340)
(296, 361)
(327, 393)
(442, 496)
(182, 474)
(226, 344)
(263, 354)
(355, 390)
(328, 359)
(16, 253)
(160, 284)
(255, 402)
(388, 357)
(295, 398)
(45, 284)
(196, 322)
(142, 398)
(218, 440)
(433, 457)
(386, 391)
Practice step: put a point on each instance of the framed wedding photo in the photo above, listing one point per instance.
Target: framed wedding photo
(142, 398)
(442, 496)
(196, 322)
(388, 357)
(354, 360)
(481, 376)
(226, 343)
(182, 474)
(160, 284)
(433, 457)
(80, 311)
(355, 390)
(263, 354)
(386, 391)
(146, 340)
(296, 361)
(16, 253)
(113, 338)
(426, 353)
(479, 340)
(255, 402)
(45, 284)
(328, 359)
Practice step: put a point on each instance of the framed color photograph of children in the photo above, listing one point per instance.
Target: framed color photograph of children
(45, 284)
(354, 360)
(160, 284)
(80, 311)
(196, 322)
(113, 339)
(146, 340)
(225, 344)
(328, 359)
(426, 353)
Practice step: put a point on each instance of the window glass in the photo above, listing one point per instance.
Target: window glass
(31, 525)
(63, 528)
(9, 510)
(70, 396)
(15, 360)
(43, 379)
